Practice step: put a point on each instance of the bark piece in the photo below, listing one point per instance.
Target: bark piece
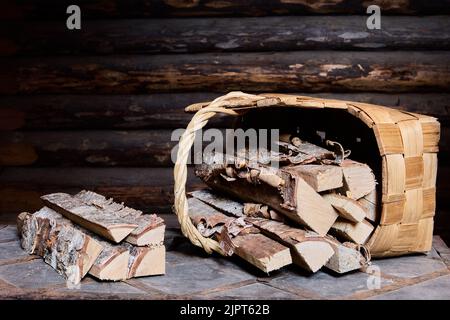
(356, 232)
(308, 249)
(304, 152)
(150, 231)
(257, 249)
(108, 219)
(146, 261)
(65, 247)
(321, 177)
(347, 208)
(262, 211)
(359, 179)
(292, 197)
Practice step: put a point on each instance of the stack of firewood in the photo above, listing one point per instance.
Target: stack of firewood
(315, 208)
(88, 233)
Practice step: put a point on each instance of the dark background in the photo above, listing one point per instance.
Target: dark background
(94, 108)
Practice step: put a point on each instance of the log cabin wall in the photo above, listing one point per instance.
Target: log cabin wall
(95, 108)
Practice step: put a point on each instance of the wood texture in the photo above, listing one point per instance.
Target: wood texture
(293, 197)
(347, 208)
(226, 34)
(357, 232)
(62, 245)
(345, 257)
(308, 250)
(321, 177)
(52, 9)
(108, 219)
(112, 263)
(87, 148)
(146, 261)
(162, 111)
(255, 248)
(150, 231)
(359, 180)
(148, 189)
(288, 71)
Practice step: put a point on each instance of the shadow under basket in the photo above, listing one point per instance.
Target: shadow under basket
(401, 148)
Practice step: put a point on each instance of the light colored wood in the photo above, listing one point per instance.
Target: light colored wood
(109, 220)
(146, 261)
(62, 245)
(112, 263)
(150, 231)
(359, 179)
(262, 211)
(370, 204)
(255, 248)
(356, 232)
(308, 249)
(347, 208)
(219, 202)
(321, 177)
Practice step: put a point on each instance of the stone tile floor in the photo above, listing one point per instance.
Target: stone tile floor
(191, 274)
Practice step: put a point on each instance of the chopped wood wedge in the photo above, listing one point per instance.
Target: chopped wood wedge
(347, 208)
(308, 249)
(321, 177)
(359, 179)
(112, 263)
(286, 192)
(150, 231)
(109, 220)
(65, 247)
(257, 249)
(370, 203)
(146, 261)
(356, 232)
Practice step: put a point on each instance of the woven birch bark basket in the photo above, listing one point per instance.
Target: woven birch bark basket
(407, 153)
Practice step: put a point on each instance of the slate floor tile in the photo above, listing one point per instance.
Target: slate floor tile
(31, 275)
(191, 277)
(325, 284)
(102, 287)
(435, 289)
(9, 233)
(253, 292)
(11, 250)
(410, 266)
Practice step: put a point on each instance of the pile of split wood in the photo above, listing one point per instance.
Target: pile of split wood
(315, 208)
(87, 233)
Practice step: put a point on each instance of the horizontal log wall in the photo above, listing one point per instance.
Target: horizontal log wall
(95, 108)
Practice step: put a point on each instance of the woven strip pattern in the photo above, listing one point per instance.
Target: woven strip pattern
(408, 146)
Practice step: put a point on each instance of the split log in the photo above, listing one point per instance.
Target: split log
(165, 111)
(260, 251)
(292, 196)
(308, 249)
(321, 177)
(105, 218)
(370, 204)
(346, 257)
(359, 179)
(219, 202)
(112, 263)
(356, 232)
(347, 208)
(306, 71)
(69, 250)
(51, 9)
(150, 231)
(146, 261)
(225, 34)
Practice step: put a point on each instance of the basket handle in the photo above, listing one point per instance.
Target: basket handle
(198, 121)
